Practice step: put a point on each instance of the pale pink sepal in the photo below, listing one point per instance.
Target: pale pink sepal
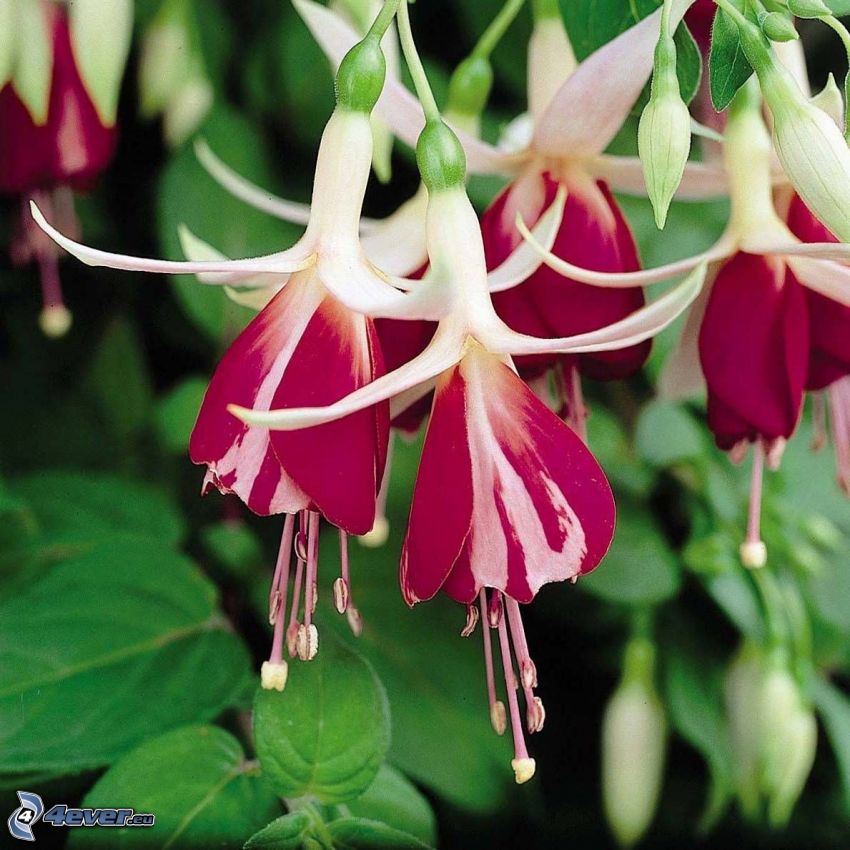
(593, 103)
(525, 258)
(701, 181)
(637, 327)
(300, 256)
(443, 352)
(827, 278)
(397, 106)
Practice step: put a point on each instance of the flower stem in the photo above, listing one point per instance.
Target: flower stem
(497, 28)
(420, 79)
(383, 19)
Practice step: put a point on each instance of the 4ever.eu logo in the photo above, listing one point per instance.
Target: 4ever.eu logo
(31, 811)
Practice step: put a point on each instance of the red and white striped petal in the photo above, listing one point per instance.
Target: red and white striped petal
(240, 457)
(532, 504)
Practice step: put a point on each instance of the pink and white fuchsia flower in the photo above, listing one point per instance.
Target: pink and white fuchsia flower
(771, 313)
(559, 151)
(508, 498)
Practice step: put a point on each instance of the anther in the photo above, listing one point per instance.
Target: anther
(307, 641)
(355, 621)
(301, 545)
(341, 595)
(472, 618)
(535, 715)
(494, 610)
(292, 638)
(498, 717)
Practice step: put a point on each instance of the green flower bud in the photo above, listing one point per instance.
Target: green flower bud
(664, 133)
(361, 74)
(788, 744)
(440, 157)
(778, 27)
(469, 86)
(742, 691)
(634, 736)
(808, 8)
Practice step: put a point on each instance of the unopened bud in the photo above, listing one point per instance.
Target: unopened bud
(341, 595)
(273, 675)
(498, 717)
(523, 769)
(742, 693)
(788, 744)
(664, 136)
(469, 86)
(55, 320)
(634, 738)
(809, 8)
(778, 27)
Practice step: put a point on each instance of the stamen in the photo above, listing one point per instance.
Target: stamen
(523, 766)
(275, 671)
(839, 404)
(534, 712)
(752, 551)
(342, 586)
(498, 717)
(292, 629)
(381, 528)
(472, 618)
(308, 636)
(577, 412)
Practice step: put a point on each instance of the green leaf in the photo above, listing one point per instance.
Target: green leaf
(119, 380)
(196, 782)
(833, 706)
(286, 833)
(108, 649)
(693, 694)
(735, 593)
(728, 68)
(611, 446)
(327, 733)
(177, 411)
(395, 801)
(640, 568)
(363, 834)
(234, 545)
(667, 434)
(188, 195)
(72, 511)
(829, 590)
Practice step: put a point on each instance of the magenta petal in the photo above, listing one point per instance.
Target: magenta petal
(240, 458)
(441, 510)
(595, 235)
(754, 350)
(338, 464)
(829, 322)
(543, 509)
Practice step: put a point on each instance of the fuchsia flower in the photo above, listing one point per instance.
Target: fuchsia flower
(750, 336)
(58, 129)
(565, 152)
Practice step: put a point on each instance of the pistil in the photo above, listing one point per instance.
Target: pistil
(753, 552)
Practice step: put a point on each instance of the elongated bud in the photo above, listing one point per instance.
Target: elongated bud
(634, 735)
(664, 134)
(361, 75)
(469, 86)
(440, 157)
(742, 692)
(810, 147)
(778, 27)
(789, 741)
(808, 8)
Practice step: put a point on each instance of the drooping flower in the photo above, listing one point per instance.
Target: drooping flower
(57, 121)
(507, 497)
(313, 342)
(748, 335)
(560, 151)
